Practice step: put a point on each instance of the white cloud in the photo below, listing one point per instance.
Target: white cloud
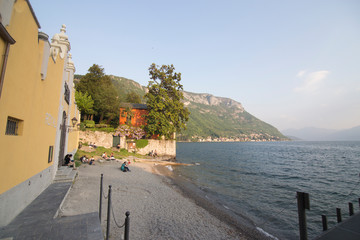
(301, 73)
(311, 81)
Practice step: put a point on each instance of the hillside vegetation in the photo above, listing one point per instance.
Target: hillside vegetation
(226, 123)
(211, 118)
(124, 86)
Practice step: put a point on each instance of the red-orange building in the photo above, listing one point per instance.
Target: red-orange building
(133, 114)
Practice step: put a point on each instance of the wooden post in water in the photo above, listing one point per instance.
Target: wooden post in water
(351, 209)
(338, 214)
(303, 203)
(324, 222)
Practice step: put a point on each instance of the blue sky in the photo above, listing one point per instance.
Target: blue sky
(292, 64)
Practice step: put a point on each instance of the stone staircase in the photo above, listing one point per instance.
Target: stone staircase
(65, 174)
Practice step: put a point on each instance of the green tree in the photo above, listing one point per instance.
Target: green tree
(167, 113)
(133, 97)
(100, 88)
(85, 103)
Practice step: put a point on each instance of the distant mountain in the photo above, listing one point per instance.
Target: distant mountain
(219, 117)
(125, 85)
(352, 134)
(321, 134)
(212, 118)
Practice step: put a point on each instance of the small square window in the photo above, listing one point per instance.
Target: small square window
(12, 126)
(51, 150)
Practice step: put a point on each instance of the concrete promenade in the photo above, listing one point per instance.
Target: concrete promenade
(348, 229)
(39, 219)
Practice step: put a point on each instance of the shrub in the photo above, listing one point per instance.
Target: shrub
(130, 132)
(108, 130)
(77, 163)
(101, 125)
(77, 155)
(89, 123)
(82, 126)
(141, 143)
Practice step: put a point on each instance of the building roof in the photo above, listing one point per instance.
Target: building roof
(5, 35)
(133, 105)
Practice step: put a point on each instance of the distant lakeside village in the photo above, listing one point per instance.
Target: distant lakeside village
(247, 138)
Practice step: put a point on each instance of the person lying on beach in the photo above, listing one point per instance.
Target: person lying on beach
(124, 167)
(92, 145)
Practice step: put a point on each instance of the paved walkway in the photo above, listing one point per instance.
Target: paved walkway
(37, 220)
(348, 229)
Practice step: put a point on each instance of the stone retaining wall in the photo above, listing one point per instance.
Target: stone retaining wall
(102, 139)
(162, 147)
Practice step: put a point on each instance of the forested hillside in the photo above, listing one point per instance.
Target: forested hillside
(211, 118)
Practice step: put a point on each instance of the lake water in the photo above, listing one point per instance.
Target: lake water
(259, 180)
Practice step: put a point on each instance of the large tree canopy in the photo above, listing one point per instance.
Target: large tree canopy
(167, 113)
(100, 88)
(85, 103)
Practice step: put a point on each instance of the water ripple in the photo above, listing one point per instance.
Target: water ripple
(260, 180)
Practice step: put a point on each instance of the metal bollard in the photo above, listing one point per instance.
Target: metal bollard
(101, 190)
(324, 222)
(338, 214)
(127, 226)
(108, 214)
(351, 209)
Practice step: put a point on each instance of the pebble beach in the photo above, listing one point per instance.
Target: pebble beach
(158, 208)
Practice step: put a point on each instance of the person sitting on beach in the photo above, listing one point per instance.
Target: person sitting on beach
(91, 162)
(68, 161)
(104, 156)
(112, 156)
(84, 159)
(124, 167)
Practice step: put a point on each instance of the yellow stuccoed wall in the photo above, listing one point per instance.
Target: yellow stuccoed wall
(20, 99)
(27, 97)
(38, 102)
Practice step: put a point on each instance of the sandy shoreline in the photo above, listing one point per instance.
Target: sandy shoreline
(160, 207)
